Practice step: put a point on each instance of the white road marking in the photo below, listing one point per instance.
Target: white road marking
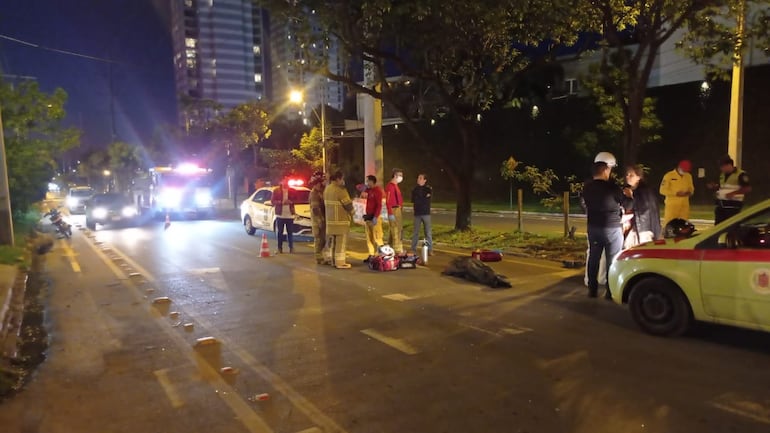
(171, 393)
(212, 276)
(236, 403)
(515, 330)
(311, 430)
(395, 343)
(398, 297)
(742, 406)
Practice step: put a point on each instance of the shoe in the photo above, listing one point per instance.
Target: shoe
(592, 293)
(291, 250)
(608, 295)
(343, 266)
(280, 250)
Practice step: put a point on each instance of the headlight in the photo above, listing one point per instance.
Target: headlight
(128, 211)
(99, 212)
(171, 198)
(72, 201)
(203, 198)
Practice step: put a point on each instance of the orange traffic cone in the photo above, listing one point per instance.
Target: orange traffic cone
(264, 250)
(168, 223)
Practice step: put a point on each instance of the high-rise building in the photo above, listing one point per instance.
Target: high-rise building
(220, 51)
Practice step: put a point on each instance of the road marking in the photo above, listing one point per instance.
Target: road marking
(736, 405)
(515, 330)
(398, 297)
(69, 253)
(242, 410)
(395, 343)
(298, 400)
(311, 430)
(168, 388)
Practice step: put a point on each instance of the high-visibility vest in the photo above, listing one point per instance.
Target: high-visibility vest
(729, 183)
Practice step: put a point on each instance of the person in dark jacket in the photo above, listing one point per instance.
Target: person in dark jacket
(421, 195)
(605, 202)
(645, 225)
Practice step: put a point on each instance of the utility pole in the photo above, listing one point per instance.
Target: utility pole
(735, 134)
(373, 151)
(6, 222)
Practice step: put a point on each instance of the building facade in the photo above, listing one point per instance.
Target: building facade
(221, 51)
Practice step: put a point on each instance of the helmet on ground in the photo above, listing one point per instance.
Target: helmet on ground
(678, 228)
(607, 158)
(386, 251)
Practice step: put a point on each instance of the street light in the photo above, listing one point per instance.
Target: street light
(296, 97)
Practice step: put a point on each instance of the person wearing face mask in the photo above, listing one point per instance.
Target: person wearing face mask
(394, 201)
(677, 187)
(339, 213)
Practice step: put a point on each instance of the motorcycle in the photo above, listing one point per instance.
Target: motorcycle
(57, 220)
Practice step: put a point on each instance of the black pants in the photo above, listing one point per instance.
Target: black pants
(286, 224)
(723, 213)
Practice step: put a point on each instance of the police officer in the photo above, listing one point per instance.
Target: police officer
(731, 190)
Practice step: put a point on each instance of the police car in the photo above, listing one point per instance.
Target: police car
(257, 211)
(720, 275)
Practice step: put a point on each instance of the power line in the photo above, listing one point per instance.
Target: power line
(55, 50)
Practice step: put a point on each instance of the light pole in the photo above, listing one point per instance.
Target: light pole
(296, 97)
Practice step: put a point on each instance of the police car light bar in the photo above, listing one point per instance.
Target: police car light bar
(296, 182)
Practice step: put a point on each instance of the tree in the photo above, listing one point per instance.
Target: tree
(125, 159)
(197, 114)
(34, 137)
(456, 61)
(309, 154)
(632, 33)
(244, 127)
(93, 165)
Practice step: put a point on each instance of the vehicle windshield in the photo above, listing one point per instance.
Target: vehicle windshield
(110, 200)
(81, 192)
(185, 181)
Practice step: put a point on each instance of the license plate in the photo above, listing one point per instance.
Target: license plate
(115, 218)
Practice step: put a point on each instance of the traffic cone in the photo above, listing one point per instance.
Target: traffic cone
(264, 250)
(168, 223)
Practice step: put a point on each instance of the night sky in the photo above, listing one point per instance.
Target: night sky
(135, 33)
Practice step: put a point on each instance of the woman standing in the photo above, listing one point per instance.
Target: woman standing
(645, 225)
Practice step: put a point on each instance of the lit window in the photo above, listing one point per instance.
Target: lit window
(257, 50)
(257, 78)
(190, 42)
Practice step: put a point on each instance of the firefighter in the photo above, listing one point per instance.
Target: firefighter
(318, 218)
(677, 187)
(731, 190)
(339, 213)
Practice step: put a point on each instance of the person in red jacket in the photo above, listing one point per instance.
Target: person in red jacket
(372, 222)
(394, 201)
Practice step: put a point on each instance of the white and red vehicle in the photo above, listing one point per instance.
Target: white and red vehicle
(185, 189)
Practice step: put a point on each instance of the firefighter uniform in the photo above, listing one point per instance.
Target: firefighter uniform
(339, 213)
(676, 207)
(729, 206)
(318, 222)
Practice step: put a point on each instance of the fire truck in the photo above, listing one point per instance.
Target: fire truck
(185, 189)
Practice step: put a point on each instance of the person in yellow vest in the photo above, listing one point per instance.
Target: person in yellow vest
(730, 191)
(677, 187)
(339, 213)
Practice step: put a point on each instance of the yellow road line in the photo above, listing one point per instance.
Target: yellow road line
(395, 343)
(171, 393)
(69, 253)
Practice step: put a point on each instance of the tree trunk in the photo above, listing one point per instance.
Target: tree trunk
(633, 132)
(465, 169)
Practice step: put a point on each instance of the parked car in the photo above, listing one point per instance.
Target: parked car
(77, 197)
(257, 211)
(720, 275)
(110, 209)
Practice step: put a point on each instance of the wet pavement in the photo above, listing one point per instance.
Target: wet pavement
(189, 330)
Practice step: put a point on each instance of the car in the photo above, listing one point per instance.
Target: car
(257, 211)
(77, 197)
(110, 209)
(720, 275)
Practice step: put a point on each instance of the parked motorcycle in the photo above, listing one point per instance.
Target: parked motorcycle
(57, 220)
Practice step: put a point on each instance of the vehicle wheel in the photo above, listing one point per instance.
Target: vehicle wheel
(90, 224)
(250, 229)
(659, 307)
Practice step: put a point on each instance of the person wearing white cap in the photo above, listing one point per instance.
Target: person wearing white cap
(604, 201)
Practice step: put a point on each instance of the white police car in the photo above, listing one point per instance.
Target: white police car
(257, 211)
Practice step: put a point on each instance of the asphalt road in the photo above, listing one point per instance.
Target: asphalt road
(359, 351)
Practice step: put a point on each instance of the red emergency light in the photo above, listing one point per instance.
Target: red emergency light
(296, 182)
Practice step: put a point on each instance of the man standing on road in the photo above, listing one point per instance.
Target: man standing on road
(339, 213)
(677, 187)
(318, 218)
(394, 201)
(731, 190)
(604, 205)
(283, 203)
(372, 220)
(421, 195)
